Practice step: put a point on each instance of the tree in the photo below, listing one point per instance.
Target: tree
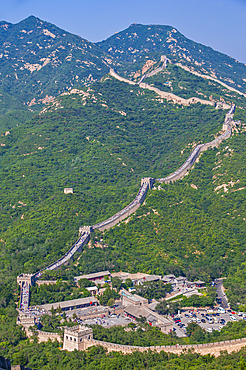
(110, 302)
(174, 307)
(108, 294)
(116, 283)
(129, 283)
(141, 320)
(195, 332)
(84, 283)
(52, 310)
(242, 363)
(59, 310)
(162, 308)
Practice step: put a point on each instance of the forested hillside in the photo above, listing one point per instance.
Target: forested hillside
(194, 227)
(39, 61)
(94, 141)
(176, 80)
(65, 122)
(140, 48)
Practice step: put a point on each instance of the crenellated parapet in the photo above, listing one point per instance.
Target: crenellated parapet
(148, 180)
(76, 336)
(85, 229)
(26, 278)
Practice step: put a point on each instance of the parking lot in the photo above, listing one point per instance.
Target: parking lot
(207, 320)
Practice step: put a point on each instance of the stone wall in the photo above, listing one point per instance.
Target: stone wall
(44, 336)
(119, 218)
(115, 75)
(203, 349)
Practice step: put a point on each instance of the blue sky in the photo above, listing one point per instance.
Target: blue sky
(220, 24)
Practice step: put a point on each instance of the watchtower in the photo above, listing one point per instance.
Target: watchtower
(149, 180)
(25, 278)
(68, 190)
(75, 337)
(87, 229)
(26, 321)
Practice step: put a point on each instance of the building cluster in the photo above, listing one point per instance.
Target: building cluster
(130, 304)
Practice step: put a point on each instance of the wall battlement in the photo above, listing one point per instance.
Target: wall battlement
(86, 336)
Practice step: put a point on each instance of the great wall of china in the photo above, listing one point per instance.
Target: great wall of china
(26, 280)
(75, 338)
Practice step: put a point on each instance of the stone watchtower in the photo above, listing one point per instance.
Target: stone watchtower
(76, 336)
(25, 278)
(85, 229)
(149, 180)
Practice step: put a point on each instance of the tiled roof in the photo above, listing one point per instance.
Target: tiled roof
(70, 303)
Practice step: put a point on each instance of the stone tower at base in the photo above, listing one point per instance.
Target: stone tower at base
(76, 336)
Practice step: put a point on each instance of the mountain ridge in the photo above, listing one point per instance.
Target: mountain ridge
(32, 48)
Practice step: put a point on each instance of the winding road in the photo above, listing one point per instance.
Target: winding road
(221, 294)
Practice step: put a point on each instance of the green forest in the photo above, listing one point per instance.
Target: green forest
(101, 140)
(104, 166)
(49, 356)
(197, 232)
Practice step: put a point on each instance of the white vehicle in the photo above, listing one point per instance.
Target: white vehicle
(209, 330)
(198, 321)
(221, 310)
(232, 318)
(221, 327)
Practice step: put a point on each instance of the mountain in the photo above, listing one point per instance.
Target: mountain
(140, 47)
(40, 60)
(100, 141)
(67, 120)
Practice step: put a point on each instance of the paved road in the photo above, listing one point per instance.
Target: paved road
(221, 294)
(180, 333)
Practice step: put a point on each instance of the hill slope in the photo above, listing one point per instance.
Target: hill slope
(140, 47)
(96, 142)
(39, 59)
(194, 227)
